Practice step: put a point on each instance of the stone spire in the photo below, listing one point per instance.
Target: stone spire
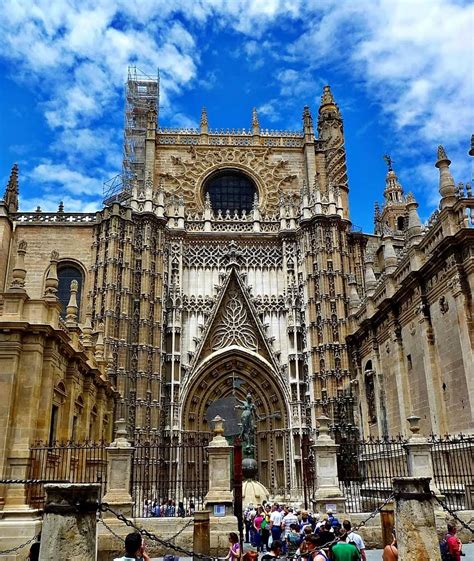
(204, 123)
(11, 191)
(308, 128)
(414, 229)
(19, 271)
(52, 282)
(255, 122)
(447, 190)
(328, 105)
(377, 219)
(71, 309)
(87, 329)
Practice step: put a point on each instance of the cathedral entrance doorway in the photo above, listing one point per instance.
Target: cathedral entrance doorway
(214, 388)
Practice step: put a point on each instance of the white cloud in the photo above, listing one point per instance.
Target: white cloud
(60, 177)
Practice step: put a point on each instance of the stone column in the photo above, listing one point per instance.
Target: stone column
(418, 448)
(219, 453)
(415, 520)
(327, 481)
(202, 534)
(119, 472)
(69, 526)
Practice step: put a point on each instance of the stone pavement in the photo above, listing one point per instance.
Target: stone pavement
(372, 555)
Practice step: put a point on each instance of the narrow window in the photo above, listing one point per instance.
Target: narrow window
(53, 425)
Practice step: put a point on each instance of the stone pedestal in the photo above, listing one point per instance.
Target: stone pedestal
(219, 453)
(415, 520)
(119, 472)
(419, 459)
(69, 526)
(328, 493)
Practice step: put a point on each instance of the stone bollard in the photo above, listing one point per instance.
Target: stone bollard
(414, 519)
(328, 493)
(69, 526)
(202, 533)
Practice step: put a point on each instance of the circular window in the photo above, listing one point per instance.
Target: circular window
(230, 190)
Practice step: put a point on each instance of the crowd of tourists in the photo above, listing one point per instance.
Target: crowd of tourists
(166, 508)
(278, 530)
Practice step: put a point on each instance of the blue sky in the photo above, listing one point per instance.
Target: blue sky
(402, 73)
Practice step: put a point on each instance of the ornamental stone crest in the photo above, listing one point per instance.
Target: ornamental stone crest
(186, 172)
(234, 327)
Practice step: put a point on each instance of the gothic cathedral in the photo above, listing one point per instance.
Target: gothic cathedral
(226, 263)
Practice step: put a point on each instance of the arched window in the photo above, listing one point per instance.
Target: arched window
(67, 272)
(400, 223)
(230, 190)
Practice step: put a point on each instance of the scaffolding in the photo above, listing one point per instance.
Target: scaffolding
(141, 95)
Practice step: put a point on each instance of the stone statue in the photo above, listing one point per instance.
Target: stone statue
(248, 420)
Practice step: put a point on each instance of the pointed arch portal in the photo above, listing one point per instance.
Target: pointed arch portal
(213, 380)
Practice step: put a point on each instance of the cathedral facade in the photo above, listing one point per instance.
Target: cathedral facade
(227, 264)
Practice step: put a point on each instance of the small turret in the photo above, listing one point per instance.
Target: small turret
(255, 122)
(204, 123)
(414, 229)
(12, 191)
(392, 217)
(447, 189)
(308, 128)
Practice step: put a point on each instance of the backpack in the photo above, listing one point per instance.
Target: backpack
(444, 549)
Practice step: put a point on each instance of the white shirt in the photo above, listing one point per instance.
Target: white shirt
(289, 519)
(275, 517)
(355, 538)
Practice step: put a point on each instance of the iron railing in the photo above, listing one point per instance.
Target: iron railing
(366, 469)
(453, 467)
(170, 469)
(72, 462)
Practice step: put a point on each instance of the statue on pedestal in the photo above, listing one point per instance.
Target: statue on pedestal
(248, 420)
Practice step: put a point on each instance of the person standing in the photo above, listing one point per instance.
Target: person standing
(274, 553)
(234, 547)
(257, 525)
(356, 539)
(343, 551)
(390, 552)
(454, 543)
(275, 523)
(134, 549)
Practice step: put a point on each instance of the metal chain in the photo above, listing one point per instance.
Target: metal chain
(453, 513)
(31, 481)
(104, 507)
(101, 519)
(18, 547)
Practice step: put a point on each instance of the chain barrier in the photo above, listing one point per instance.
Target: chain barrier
(31, 481)
(452, 513)
(104, 507)
(18, 547)
(172, 538)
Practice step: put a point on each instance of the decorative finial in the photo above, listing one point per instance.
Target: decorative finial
(11, 191)
(442, 154)
(61, 207)
(388, 161)
(471, 151)
(255, 122)
(307, 119)
(204, 124)
(38, 209)
(207, 201)
(19, 271)
(327, 97)
(51, 283)
(72, 308)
